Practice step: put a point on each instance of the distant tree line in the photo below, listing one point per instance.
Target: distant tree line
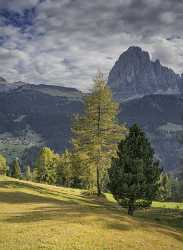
(105, 156)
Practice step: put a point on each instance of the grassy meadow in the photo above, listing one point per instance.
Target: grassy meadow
(37, 216)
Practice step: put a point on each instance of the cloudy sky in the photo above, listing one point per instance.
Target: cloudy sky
(65, 41)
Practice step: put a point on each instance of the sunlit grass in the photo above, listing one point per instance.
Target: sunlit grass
(37, 216)
(171, 205)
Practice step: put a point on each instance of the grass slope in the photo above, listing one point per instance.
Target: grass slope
(36, 216)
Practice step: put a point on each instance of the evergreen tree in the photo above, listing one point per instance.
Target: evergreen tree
(165, 187)
(46, 165)
(3, 165)
(16, 171)
(134, 175)
(96, 133)
(64, 169)
(28, 174)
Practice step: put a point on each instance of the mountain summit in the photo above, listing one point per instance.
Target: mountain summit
(135, 75)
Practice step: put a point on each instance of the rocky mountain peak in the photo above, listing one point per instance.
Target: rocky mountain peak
(135, 74)
(137, 52)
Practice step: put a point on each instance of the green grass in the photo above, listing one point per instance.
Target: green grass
(37, 216)
(168, 205)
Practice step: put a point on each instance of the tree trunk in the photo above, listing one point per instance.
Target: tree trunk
(98, 157)
(98, 182)
(131, 207)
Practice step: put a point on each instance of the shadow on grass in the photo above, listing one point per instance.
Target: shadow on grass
(67, 211)
(166, 216)
(106, 218)
(43, 195)
(19, 185)
(19, 197)
(70, 208)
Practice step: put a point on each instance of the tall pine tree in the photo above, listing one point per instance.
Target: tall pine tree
(96, 132)
(134, 175)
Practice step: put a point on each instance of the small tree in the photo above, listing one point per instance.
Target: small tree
(64, 169)
(28, 174)
(3, 165)
(165, 187)
(46, 165)
(16, 171)
(134, 175)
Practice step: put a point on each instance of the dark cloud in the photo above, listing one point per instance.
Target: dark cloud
(66, 41)
(18, 5)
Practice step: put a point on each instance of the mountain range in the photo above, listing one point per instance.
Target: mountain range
(150, 94)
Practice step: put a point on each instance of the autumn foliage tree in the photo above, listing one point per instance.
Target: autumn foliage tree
(15, 169)
(45, 166)
(96, 133)
(28, 174)
(165, 187)
(65, 169)
(3, 165)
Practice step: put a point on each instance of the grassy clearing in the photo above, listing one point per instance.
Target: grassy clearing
(36, 216)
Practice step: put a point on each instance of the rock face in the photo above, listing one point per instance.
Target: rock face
(152, 96)
(135, 75)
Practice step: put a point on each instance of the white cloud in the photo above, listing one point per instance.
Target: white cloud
(168, 17)
(69, 40)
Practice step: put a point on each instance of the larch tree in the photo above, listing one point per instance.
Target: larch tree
(97, 132)
(16, 170)
(64, 169)
(3, 165)
(28, 174)
(165, 187)
(45, 166)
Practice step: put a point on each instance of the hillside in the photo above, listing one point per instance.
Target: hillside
(36, 115)
(161, 118)
(37, 216)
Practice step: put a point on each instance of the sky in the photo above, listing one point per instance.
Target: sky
(65, 42)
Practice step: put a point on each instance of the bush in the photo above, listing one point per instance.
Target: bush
(138, 203)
